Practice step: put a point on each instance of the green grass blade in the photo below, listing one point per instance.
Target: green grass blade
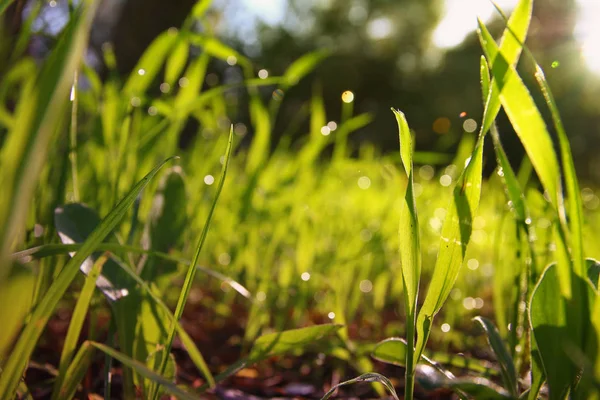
(76, 322)
(510, 48)
(141, 369)
(279, 343)
(393, 351)
(191, 272)
(24, 347)
(369, 377)
(176, 61)
(547, 314)
(48, 250)
(284, 342)
(524, 116)
(574, 204)
(38, 113)
(16, 293)
(75, 373)
(150, 64)
(410, 249)
(575, 208)
(4, 5)
(456, 233)
(507, 366)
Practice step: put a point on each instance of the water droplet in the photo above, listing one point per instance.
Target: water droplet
(224, 259)
(331, 315)
(232, 60)
(500, 172)
(209, 179)
(473, 264)
(325, 131)
(364, 182)
(470, 125)
(445, 180)
(365, 286)
(183, 81)
(141, 72)
(263, 74)
(305, 276)
(445, 327)
(332, 125)
(165, 87)
(347, 97)
(527, 221)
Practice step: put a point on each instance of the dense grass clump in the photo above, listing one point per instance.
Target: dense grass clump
(300, 243)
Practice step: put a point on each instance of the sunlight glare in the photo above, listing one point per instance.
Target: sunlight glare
(460, 18)
(587, 32)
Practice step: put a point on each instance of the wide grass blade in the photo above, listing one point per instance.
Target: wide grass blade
(191, 272)
(507, 366)
(284, 342)
(524, 115)
(16, 293)
(24, 347)
(410, 249)
(455, 236)
(393, 351)
(37, 115)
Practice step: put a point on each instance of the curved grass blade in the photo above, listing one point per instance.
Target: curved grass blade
(370, 377)
(141, 369)
(507, 366)
(283, 342)
(47, 250)
(279, 343)
(24, 347)
(393, 351)
(191, 272)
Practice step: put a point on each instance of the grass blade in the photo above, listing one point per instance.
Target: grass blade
(191, 272)
(16, 293)
(393, 351)
(141, 369)
(75, 373)
(47, 250)
(24, 347)
(410, 250)
(283, 342)
(76, 323)
(507, 366)
(524, 115)
(370, 377)
(456, 233)
(38, 113)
